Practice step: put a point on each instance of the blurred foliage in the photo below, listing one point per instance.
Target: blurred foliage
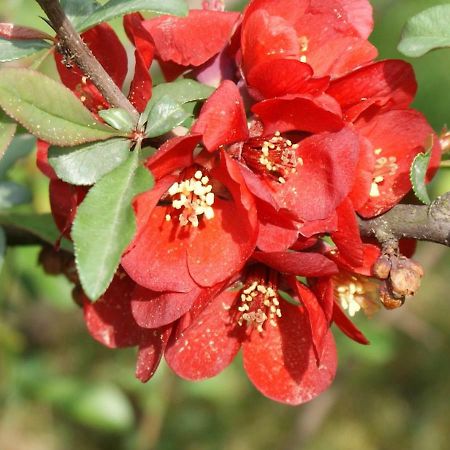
(60, 390)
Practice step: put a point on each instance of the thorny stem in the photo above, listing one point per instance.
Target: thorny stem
(83, 57)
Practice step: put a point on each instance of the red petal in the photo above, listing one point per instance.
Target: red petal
(12, 31)
(150, 353)
(42, 160)
(272, 238)
(141, 85)
(280, 77)
(209, 344)
(157, 256)
(334, 47)
(400, 135)
(300, 113)
(325, 177)
(176, 153)
(266, 37)
(370, 254)
(280, 362)
(324, 290)
(107, 48)
(222, 246)
(389, 83)
(328, 225)
(222, 119)
(317, 321)
(298, 263)
(347, 326)
(347, 237)
(359, 14)
(192, 40)
(64, 200)
(364, 174)
(109, 319)
(155, 309)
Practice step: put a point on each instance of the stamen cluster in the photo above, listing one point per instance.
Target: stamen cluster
(194, 197)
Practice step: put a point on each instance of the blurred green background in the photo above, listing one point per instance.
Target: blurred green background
(60, 390)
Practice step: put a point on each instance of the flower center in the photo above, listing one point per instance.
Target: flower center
(275, 157)
(192, 199)
(259, 302)
(356, 292)
(384, 167)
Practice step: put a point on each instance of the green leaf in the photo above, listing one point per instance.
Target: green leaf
(105, 224)
(22, 145)
(13, 194)
(12, 49)
(7, 130)
(118, 118)
(48, 109)
(426, 31)
(116, 8)
(78, 11)
(84, 165)
(183, 91)
(418, 173)
(41, 226)
(165, 115)
(2, 246)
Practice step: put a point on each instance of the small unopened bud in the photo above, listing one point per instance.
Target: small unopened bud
(405, 277)
(51, 261)
(388, 300)
(382, 267)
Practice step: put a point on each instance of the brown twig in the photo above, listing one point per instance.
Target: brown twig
(423, 223)
(83, 57)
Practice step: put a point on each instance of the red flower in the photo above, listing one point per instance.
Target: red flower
(327, 35)
(375, 98)
(196, 228)
(289, 353)
(309, 179)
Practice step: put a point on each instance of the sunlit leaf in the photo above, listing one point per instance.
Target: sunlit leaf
(48, 109)
(116, 8)
(426, 31)
(86, 164)
(165, 115)
(418, 174)
(118, 118)
(182, 91)
(105, 224)
(12, 49)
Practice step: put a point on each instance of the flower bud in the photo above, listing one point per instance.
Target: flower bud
(51, 261)
(405, 277)
(388, 300)
(382, 267)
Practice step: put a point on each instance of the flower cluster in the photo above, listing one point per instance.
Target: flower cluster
(249, 238)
